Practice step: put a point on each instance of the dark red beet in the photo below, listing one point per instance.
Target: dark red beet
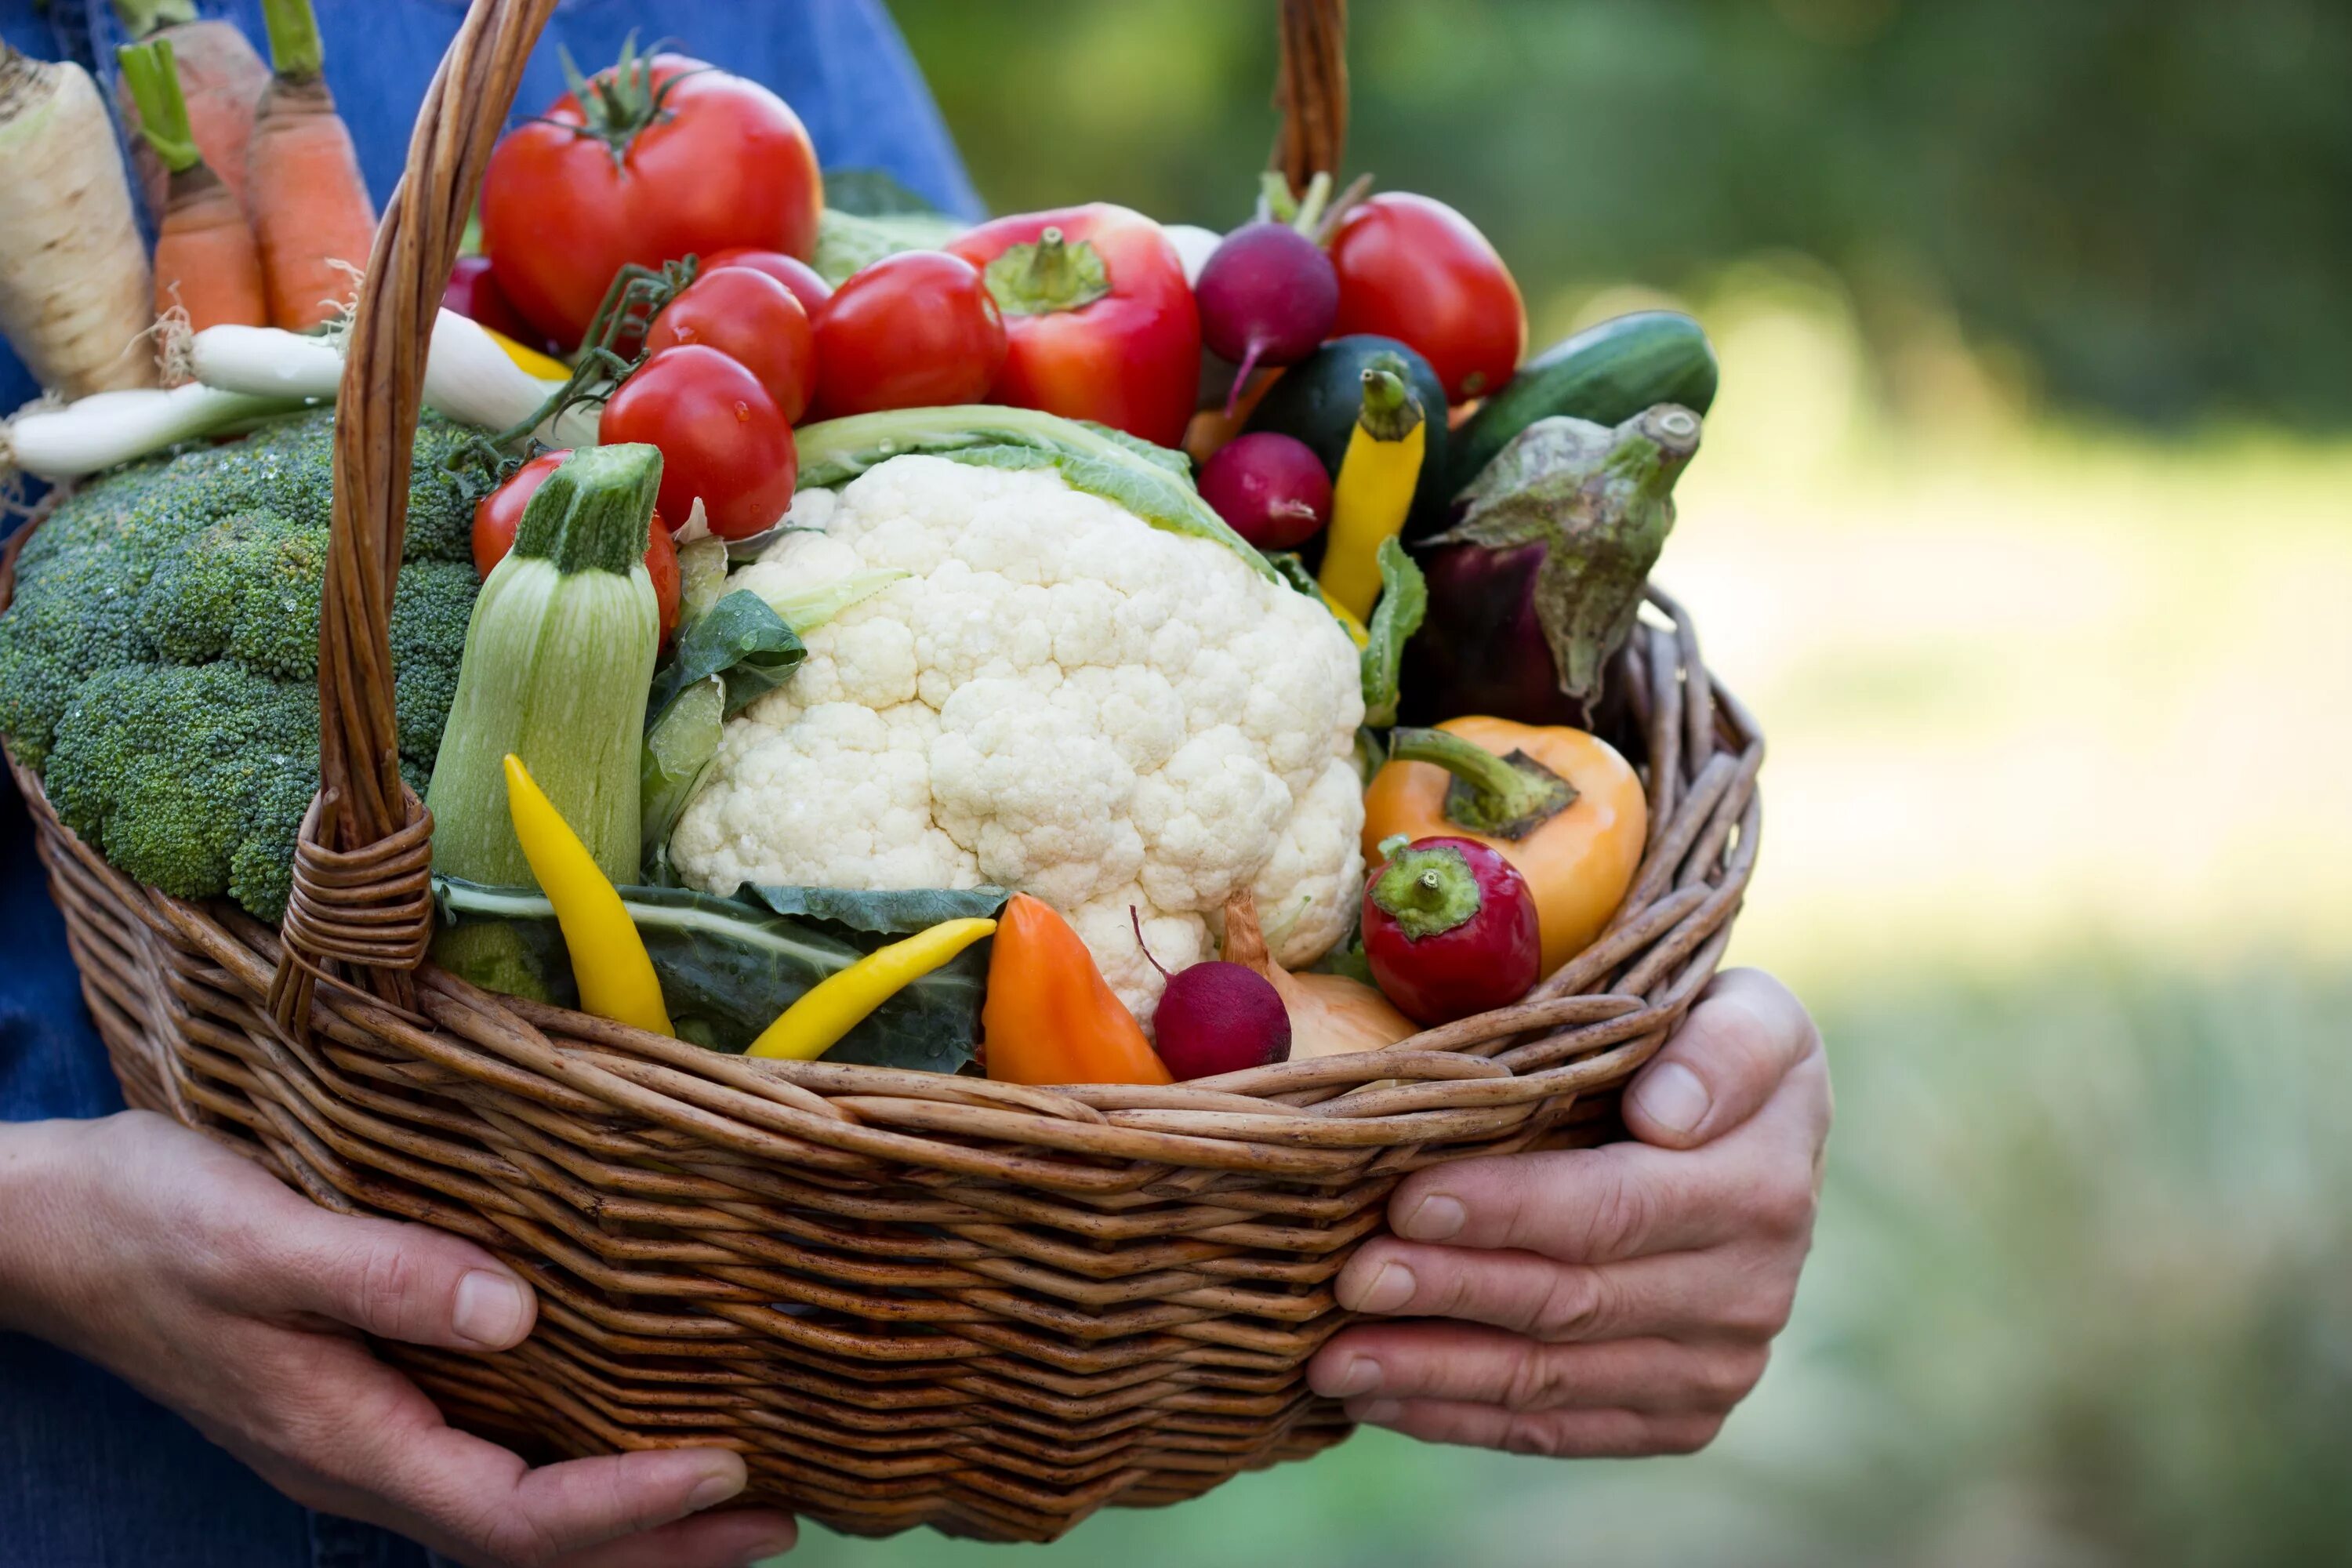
(1267, 295)
(1217, 1018)
(1270, 486)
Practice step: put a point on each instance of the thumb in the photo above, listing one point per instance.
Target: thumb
(1745, 1036)
(396, 1281)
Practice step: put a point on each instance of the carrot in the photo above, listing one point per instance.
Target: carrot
(303, 189)
(205, 262)
(74, 297)
(221, 78)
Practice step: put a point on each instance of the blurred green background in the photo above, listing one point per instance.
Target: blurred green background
(2025, 523)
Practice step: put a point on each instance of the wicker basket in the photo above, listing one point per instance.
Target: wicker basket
(907, 1298)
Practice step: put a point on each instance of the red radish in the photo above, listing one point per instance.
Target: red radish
(1216, 1018)
(1450, 929)
(1270, 486)
(474, 294)
(1267, 296)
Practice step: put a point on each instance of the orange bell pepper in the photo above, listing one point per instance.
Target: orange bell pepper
(1050, 1017)
(1574, 823)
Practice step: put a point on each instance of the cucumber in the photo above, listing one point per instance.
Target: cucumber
(1317, 400)
(1606, 374)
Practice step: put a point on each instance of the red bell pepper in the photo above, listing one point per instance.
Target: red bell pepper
(1098, 320)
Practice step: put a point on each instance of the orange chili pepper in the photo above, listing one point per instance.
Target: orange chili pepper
(1050, 1016)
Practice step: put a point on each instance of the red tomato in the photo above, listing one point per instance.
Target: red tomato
(909, 332)
(722, 438)
(668, 158)
(1414, 269)
(753, 319)
(807, 287)
(1099, 323)
(498, 514)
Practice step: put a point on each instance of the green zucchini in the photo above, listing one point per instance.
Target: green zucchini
(1606, 374)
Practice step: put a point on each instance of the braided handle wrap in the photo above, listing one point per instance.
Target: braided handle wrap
(358, 874)
(1311, 91)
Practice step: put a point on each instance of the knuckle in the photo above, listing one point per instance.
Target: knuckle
(1782, 1207)
(1760, 1313)
(1623, 1211)
(1541, 1437)
(1725, 1380)
(389, 1282)
(1685, 1435)
(514, 1539)
(1531, 1382)
(1577, 1303)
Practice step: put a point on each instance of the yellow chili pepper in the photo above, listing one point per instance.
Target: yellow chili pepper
(531, 362)
(608, 957)
(1374, 490)
(839, 1003)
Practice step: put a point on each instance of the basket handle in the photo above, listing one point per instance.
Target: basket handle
(1311, 91)
(365, 846)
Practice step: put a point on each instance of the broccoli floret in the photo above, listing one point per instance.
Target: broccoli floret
(191, 778)
(445, 480)
(247, 588)
(159, 660)
(431, 605)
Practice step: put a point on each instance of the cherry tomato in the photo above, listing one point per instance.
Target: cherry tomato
(753, 319)
(666, 158)
(1098, 320)
(913, 330)
(498, 514)
(722, 438)
(798, 275)
(1414, 269)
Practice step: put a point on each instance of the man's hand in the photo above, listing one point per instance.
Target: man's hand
(195, 1276)
(1612, 1301)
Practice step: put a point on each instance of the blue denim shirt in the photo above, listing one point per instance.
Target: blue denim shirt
(92, 1473)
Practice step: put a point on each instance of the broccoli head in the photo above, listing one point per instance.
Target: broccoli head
(245, 588)
(158, 663)
(191, 778)
(432, 604)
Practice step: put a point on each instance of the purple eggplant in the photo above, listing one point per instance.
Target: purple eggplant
(1536, 583)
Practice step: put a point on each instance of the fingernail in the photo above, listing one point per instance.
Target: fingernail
(1375, 1412)
(490, 1309)
(1436, 1218)
(1359, 1375)
(1670, 1095)
(1391, 1288)
(715, 1488)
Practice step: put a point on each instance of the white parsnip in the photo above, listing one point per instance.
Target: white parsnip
(76, 300)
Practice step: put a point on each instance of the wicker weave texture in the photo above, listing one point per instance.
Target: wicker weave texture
(907, 1298)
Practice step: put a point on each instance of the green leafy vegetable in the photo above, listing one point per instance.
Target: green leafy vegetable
(728, 966)
(1403, 601)
(1150, 482)
(740, 639)
(848, 243)
(679, 744)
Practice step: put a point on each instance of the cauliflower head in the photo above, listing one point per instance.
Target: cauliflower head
(1058, 699)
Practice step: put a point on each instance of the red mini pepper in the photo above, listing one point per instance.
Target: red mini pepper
(1450, 929)
(1098, 320)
